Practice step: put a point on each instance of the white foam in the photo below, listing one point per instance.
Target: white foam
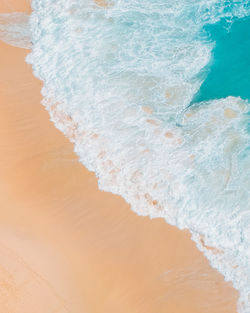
(118, 82)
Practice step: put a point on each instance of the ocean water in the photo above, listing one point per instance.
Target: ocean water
(227, 74)
(155, 96)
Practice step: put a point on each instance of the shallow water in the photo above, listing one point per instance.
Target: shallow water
(155, 97)
(14, 29)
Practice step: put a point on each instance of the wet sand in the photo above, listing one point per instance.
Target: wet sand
(65, 246)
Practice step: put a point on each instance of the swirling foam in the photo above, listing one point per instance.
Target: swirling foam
(118, 81)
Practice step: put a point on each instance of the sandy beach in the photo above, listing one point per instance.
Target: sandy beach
(65, 246)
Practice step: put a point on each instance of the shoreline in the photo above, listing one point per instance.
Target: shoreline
(64, 240)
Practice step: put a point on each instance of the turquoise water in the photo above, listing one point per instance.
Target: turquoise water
(228, 73)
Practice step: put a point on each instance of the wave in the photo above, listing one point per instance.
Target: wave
(119, 80)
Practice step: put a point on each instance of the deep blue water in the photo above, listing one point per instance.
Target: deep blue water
(228, 73)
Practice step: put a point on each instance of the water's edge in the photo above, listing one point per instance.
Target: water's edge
(131, 120)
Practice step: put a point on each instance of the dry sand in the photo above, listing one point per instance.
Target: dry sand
(65, 246)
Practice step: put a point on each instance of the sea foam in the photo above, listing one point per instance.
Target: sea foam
(119, 82)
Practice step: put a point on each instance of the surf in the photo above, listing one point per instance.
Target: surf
(136, 85)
